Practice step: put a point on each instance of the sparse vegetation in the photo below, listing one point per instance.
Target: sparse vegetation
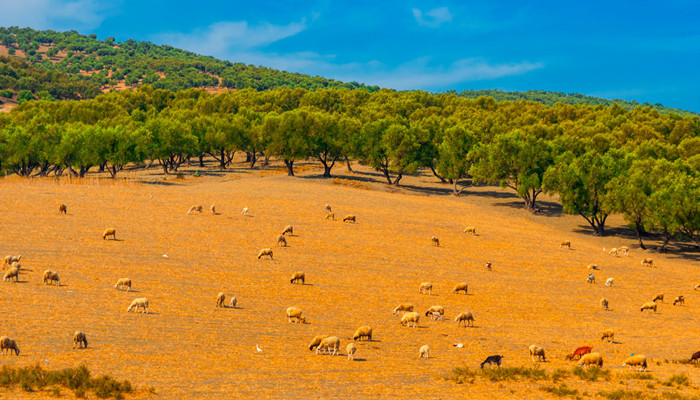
(592, 374)
(559, 391)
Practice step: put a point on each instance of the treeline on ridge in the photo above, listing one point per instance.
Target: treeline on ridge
(598, 160)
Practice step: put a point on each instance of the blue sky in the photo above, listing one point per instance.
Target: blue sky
(642, 50)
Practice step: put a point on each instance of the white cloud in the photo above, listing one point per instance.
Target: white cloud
(433, 18)
(53, 14)
(223, 38)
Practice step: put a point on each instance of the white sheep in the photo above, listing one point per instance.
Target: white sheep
(426, 287)
(591, 278)
(350, 218)
(608, 334)
(213, 209)
(565, 243)
(233, 302)
(244, 211)
(195, 209)
(470, 229)
(122, 283)
(638, 361)
(8, 344)
(316, 341)
(9, 260)
(591, 359)
(613, 251)
(409, 317)
(363, 332)
(330, 344)
(79, 340)
(624, 250)
(109, 232)
(424, 352)
(435, 241)
(330, 215)
(460, 287)
(220, 299)
(296, 314)
(298, 277)
(536, 351)
(12, 272)
(403, 307)
(436, 316)
(465, 317)
(647, 262)
(140, 302)
(288, 230)
(697, 287)
(433, 309)
(648, 306)
(281, 241)
(609, 282)
(351, 349)
(265, 252)
(51, 277)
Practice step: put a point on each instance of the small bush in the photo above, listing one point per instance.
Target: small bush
(638, 375)
(513, 373)
(677, 379)
(560, 391)
(622, 394)
(591, 374)
(559, 374)
(461, 375)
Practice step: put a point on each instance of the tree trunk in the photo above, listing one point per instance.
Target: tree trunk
(347, 162)
(253, 159)
(667, 237)
(398, 178)
(638, 230)
(102, 167)
(327, 168)
(201, 161)
(290, 167)
(267, 161)
(442, 180)
(247, 156)
(83, 171)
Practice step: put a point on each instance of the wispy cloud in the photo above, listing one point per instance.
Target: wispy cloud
(224, 38)
(433, 18)
(54, 14)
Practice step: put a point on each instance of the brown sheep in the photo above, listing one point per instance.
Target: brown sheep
(363, 332)
(265, 252)
(281, 241)
(680, 300)
(649, 306)
(608, 334)
(435, 240)
(604, 304)
(298, 276)
(51, 277)
(460, 287)
(470, 229)
(316, 341)
(565, 243)
(62, 209)
(659, 296)
(79, 340)
(647, 262)
(220, 299)
(465, 317)
(288, 230)
(350, 218)
(330, 215)
(536, 351)
(8, 344)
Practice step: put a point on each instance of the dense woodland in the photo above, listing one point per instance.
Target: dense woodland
(599, 160)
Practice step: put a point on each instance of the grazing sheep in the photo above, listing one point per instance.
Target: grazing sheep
(403, 307)
(436, 316)
(213, 209)
(327, 207)
(265, 252)
(79, 340)
(51, 277)
(604, 304)
(62, 209)
(330, 344)
(460, 287)
(296, 314)
(648, 262)
(195, 209)
(9, 260)
(409, 317)
(298, 276)
(8, 344)
(624, 250)
(109, 232)
(426, 287)
(591, 278)
(233, 302)
(695, 357)
(424, 352)
(680, 300)
(435, 241)
(537, 351)
(638, 361)
(316, 341)
(123, 282)
(433, 309)
(649, 306)
(140, 302)
(580, 352)
(465, 317)
(608, 334)
(565, 243)
(697, 287)
(609, 282)
(659, 296)
(488, 266)
(330, 215)
(220, 298)
(351, 349)
(281, 241)
(470, 229)
(350, 218)
(592, 266)
(490, 360)
(12, 272)
(613, 251)
(288, 230)
(591, 359)
(363, 332)
(244, 211)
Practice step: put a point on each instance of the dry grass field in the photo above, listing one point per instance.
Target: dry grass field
(355, 275)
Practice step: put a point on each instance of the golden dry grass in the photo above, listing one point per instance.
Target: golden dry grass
(355, 274)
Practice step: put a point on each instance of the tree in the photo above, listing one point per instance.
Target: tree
(453, 161)
(630, 194)
(285, 135)
(325, 140)
(516, 160)
(581, 183)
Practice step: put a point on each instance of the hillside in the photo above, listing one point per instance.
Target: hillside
(88, 63)
(355, 275)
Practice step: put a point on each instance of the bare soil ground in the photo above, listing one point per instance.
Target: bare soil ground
(356, 274)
